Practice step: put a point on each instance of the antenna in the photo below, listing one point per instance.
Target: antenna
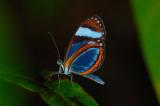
(54, 41)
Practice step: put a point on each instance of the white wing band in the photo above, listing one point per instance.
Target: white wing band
(86, 32)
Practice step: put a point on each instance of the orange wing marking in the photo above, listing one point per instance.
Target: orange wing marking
(70, 60)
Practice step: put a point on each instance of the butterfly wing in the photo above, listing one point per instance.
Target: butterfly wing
(85, 53)
(95, 78)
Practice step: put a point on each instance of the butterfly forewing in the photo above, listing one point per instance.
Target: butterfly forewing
(93, 27)
(86, 49)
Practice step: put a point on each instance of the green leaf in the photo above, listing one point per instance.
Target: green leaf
(73, 92)
(147, 17)
(65, 95)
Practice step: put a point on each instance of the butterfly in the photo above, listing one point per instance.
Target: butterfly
(86, 50)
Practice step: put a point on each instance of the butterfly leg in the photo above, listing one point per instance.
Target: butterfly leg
(71, 77)
(72, 80)
(55, 73)
(59, 81)
(50, 75)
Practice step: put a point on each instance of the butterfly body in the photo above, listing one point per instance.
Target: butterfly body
(85, 53)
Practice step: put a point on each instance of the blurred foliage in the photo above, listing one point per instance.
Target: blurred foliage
(10, 60)
(147, 15)
(13, 67)
(65, 95)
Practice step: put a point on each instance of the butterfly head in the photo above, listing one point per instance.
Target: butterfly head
(62, 68)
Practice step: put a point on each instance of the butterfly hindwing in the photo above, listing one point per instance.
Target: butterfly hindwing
(85, 60)
(95, 78)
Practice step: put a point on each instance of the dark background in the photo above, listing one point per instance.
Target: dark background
(124, 71)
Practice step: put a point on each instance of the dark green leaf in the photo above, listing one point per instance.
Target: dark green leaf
(65, 95)
(73, 92)
(49, 96)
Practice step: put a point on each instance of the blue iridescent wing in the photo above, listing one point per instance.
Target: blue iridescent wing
(83, 64)
(85, 53)
(85, 60)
